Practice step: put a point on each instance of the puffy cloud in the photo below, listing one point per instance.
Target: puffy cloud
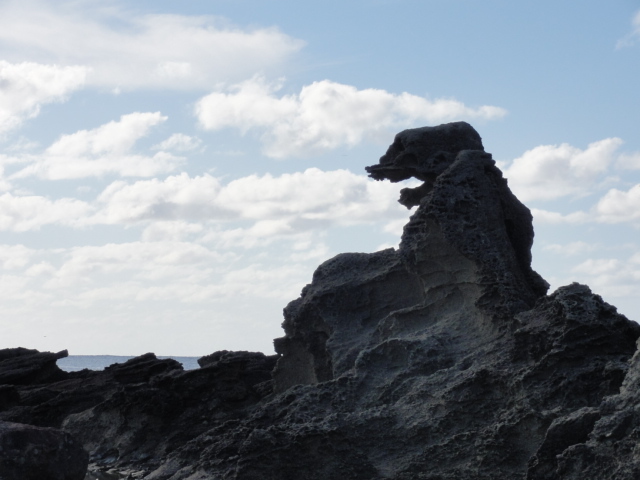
(548, 172)
(286, 204)
(616, 206)
(178, 197)
(612, 277)
(324, 115)
(629, 161)
(170, 231)
(25, 87)
(113, 137)
(179, 142)
(22, 213)
(619, 206)
(14, 256)
(4, 183)
(353, 198)
(632, 37)
(101, 151)
(127, 50)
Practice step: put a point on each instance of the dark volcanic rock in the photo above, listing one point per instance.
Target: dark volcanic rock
(464, 257)
(21, 366)
(34, 453)
(441, 360)
(148, 420)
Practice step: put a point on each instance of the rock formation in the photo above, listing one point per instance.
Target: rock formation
(444, 359)
(35, 453)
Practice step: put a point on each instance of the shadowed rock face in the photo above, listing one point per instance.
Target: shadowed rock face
(440, 360)
(33, 453)
(465, 256)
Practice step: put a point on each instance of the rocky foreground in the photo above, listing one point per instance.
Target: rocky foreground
(444, 359)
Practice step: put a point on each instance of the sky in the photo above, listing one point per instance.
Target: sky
(172, 173)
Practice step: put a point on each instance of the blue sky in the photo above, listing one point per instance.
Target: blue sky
(173, 172)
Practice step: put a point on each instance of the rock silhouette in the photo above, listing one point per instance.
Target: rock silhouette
(443, 359)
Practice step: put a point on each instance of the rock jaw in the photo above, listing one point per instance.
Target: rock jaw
(465, 255)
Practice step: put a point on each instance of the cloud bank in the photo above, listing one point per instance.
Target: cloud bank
(324, 115)
(123, 49)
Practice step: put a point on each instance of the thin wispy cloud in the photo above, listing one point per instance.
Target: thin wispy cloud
(633, 37)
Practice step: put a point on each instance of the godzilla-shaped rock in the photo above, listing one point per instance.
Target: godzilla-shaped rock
(465, 257)
(443, 359)
(440, 360)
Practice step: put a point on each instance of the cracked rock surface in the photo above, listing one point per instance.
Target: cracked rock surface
(443, 359)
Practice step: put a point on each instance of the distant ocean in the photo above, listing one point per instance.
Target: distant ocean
(73, 363)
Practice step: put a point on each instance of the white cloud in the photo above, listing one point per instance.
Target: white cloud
(572, 248)
(324, 115)
(178, 197)
(629, 161)
(179, 142)
(549, 172)
(619, 206)
(14, 256)
(147, 260)
(170, 231)
(240, 213)
(110, 138)
(22, 213)
(616, 206)
(598, 266)
(25, 87)
(100, 151)
(4, 183)
(127, 50)
(283, 205)
(395, 227)
(632, 37)
(612, 277)
(545, 216)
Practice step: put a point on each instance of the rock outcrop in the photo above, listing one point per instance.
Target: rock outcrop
(440, 360)
(34, 453)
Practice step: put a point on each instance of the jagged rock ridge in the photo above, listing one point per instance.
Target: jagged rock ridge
(443, 359)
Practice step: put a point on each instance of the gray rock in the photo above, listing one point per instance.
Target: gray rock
(34, 453)
(21, 366)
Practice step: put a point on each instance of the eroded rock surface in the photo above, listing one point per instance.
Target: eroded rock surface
(443, 359)
(34, 453)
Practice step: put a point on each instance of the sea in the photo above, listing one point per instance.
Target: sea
(74, 363)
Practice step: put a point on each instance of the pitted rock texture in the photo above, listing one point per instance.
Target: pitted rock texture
(442, 360)
(34, 453)
(465, 256)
